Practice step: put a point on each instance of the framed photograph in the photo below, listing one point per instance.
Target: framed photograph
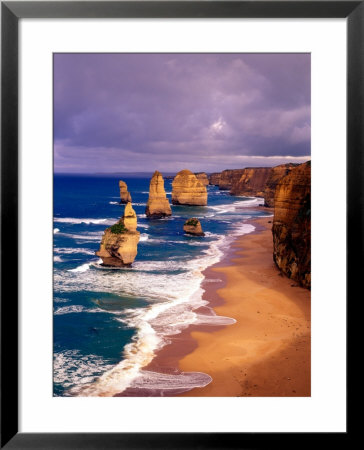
(181, 221)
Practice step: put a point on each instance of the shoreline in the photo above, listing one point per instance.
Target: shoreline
(274, 362)
(266, 353)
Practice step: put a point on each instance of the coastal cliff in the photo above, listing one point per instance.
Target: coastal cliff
(188, 190)
(229, 178)
(214, 178)
(119, 244)
(292, 224)
(193, 227)
(276, 174)
(158, 204)
(251, 182)
(125, 196)
(202, 176)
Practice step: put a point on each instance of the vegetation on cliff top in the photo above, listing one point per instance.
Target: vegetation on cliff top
(118, 228)
(192, 222)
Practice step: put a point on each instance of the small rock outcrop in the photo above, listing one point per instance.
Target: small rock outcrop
(158, 204)
(214, 178)
(251, 182)
(193, 226)
(188, 190)
(119, 244)
(292, 224)
(202, 176)
(125, 196)
(276, 174)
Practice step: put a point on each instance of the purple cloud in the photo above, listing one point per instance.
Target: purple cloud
(141, 112)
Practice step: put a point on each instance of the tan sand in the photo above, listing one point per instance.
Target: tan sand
(267, 352)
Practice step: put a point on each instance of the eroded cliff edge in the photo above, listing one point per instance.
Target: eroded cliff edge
(292, 225)
(251, 182)
(276, 174)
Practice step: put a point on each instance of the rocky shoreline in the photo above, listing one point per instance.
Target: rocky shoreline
(286, 188)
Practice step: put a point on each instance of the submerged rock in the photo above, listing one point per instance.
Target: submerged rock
(158, 204)
(125, 196)
(292, 224)
(119, 244)
(188, 190)
(193, 226)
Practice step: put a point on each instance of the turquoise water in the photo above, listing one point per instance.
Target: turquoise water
(108, 322)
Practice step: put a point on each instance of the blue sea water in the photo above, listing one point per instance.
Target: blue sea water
(108, 323)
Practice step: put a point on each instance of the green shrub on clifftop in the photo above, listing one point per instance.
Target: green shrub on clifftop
(118, 228)
(192, 222)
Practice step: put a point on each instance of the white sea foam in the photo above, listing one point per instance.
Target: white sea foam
(143, 225)
(70, 368)
(144, 237)
(248, 202)
(81, 268)
(57, 259)
(180, 382)
(86, 266)
(91, 236)
(77, 309)
(56, 230)
(71, 251)
(114, 203)
(173, 288)
(213, 320)
(75, 221)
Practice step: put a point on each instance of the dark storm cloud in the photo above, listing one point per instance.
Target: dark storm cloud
(128, 112)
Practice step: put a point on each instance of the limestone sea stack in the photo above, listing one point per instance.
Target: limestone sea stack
(158, 204)
(119, 244)
(188, 190)
(193, 226)
(292, 224)
(125, 196)
(202, 176)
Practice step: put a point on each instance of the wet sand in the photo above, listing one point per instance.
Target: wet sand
(268, 351)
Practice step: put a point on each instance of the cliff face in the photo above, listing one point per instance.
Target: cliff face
(119, 244)
(125, 196)
(292, 224)
(214, 178)
(158, 204)
(228, 178)
(188, 190)
(276, 174)
(251, 182)
(202, 176)
(193, 226)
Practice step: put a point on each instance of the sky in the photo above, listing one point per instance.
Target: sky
(168, 112)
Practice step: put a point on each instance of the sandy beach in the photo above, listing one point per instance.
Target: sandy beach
(267, 351)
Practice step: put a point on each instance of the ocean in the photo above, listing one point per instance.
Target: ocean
(109, 322)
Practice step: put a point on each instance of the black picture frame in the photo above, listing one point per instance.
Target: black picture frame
(11, 12)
